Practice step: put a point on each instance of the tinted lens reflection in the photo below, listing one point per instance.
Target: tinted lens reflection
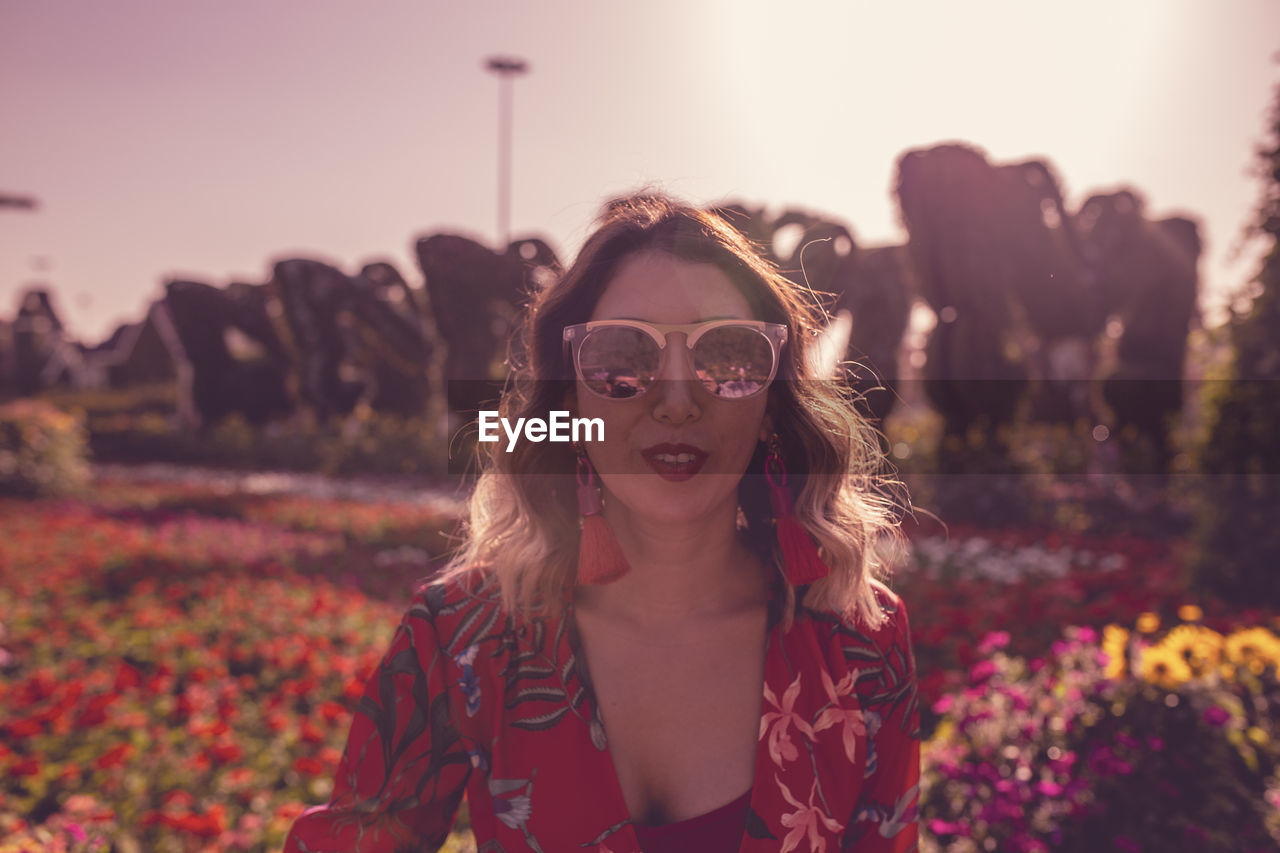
(618, 362)
(733, 361)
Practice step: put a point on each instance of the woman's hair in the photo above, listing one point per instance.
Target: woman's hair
(524, 522)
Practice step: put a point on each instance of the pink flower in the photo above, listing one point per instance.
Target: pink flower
(1128, 845)
(992, 641)
(981, 671)
(947, 827)
(1215, 716)
(850, 718)
(804, 821)
(776, 723)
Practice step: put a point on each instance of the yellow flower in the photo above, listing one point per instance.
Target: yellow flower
(1148, 623)
(1200, 647)
(1115, 641)
(1190, 613)
(1163, 667)
(1252, 646)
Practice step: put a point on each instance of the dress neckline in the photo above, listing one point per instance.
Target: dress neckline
(697, 821)
(582, 670)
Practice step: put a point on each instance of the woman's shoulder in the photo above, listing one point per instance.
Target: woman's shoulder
(462, 607)
(851, 642)
(891, 616)
(467, 609)
(879, 659)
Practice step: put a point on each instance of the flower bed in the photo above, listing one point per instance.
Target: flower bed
(1031, 584)
(179, 665)
(193, 673)
(1129, 742)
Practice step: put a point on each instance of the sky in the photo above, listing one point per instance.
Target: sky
(206, 140)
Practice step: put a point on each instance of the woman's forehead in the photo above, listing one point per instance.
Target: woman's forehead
(661, 288)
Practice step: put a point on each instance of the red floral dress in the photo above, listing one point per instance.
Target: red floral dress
(470, 699)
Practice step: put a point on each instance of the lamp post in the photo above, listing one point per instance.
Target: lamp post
(505, 67)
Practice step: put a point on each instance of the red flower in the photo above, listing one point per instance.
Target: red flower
(208, 825)
(309, 766)
(225, 753)
(310, 733)
(127, 676)
(114, 757)
(95, 713)
(24, 728)
(26, 767)
(178, 799)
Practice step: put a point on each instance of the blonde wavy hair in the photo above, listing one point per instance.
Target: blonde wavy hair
(523, 525)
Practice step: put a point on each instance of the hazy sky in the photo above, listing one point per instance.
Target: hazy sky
(205, 139)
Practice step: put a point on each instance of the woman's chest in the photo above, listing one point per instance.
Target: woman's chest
(682, 720)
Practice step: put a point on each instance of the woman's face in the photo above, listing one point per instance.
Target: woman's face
(675, 453)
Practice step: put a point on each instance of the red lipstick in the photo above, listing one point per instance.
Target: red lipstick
(675, 462)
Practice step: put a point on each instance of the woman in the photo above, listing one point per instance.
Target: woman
(640, 645)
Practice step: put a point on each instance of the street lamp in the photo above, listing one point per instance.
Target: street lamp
(505, 67)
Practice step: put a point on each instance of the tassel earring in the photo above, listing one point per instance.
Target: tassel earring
(600, 557)
(801, 563)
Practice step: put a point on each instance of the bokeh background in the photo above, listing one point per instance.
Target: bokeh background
(260, 263)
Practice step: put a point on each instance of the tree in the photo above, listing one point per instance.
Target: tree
(1237, 537)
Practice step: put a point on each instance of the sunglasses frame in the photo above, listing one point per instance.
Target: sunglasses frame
(774, 333)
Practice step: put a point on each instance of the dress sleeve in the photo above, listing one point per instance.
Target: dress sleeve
(405, 766)
(891, 790)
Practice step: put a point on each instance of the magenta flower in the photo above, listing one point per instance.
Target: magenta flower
(992, 641)
(1215, 716)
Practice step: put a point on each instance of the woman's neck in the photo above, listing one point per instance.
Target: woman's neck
(695, 570)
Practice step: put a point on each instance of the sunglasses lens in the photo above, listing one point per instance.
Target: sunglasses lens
(618, 362)
(733, 361)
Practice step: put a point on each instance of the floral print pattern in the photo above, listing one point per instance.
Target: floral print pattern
(470, 699)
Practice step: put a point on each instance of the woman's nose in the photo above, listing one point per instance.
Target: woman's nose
(676, 389)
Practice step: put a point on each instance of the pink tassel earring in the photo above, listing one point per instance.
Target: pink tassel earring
(600, 557)
(801, 563)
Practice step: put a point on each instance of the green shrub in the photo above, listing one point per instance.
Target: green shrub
(1238, 540)
(42, 450)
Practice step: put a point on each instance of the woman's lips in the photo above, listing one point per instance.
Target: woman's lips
(675, 462)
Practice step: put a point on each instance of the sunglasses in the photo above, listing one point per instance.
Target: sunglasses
(621, 359)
